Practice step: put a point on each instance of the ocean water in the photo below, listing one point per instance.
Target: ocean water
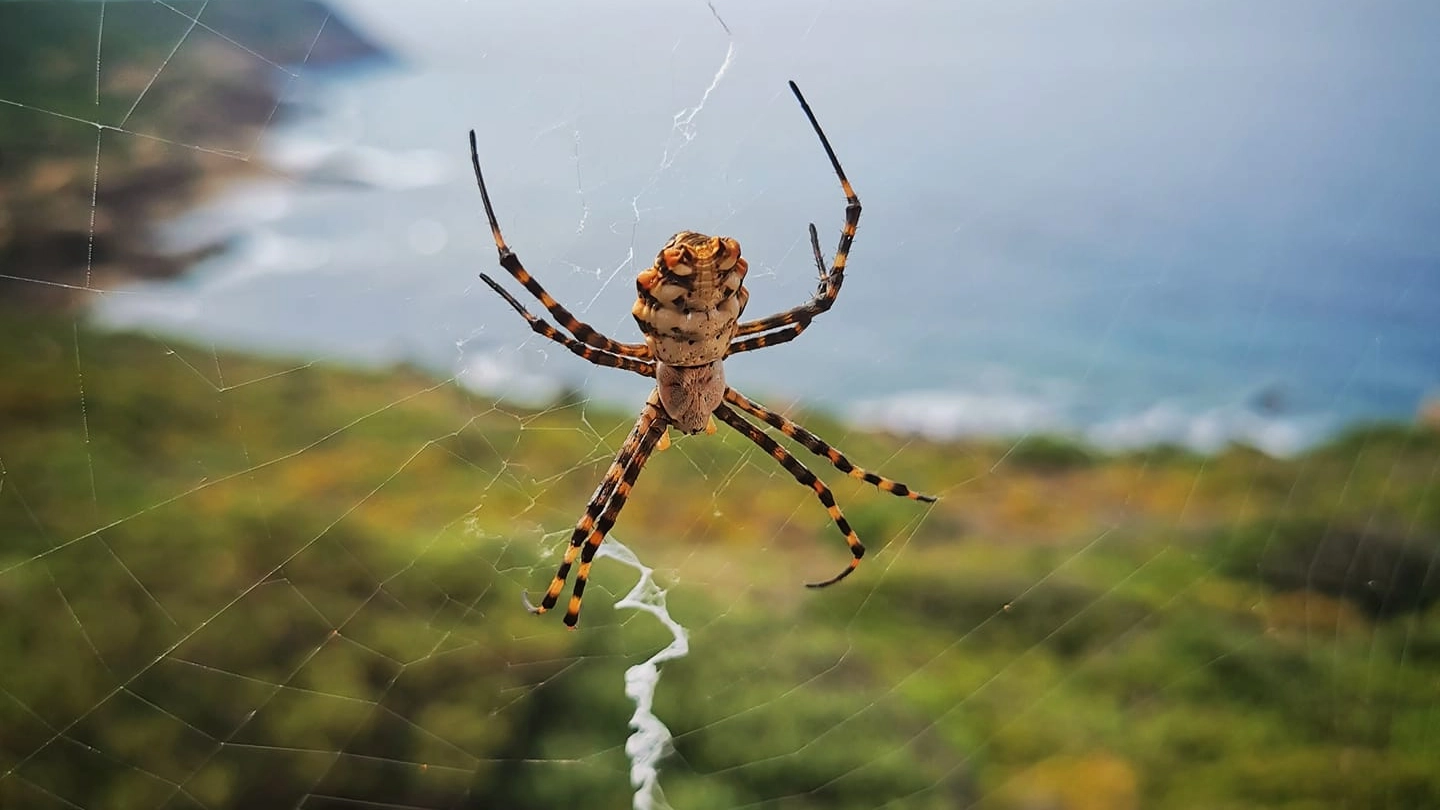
(1198, 224)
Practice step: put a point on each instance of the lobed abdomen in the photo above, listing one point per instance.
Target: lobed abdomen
(690, 300)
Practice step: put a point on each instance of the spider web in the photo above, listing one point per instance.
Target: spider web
(275, 469)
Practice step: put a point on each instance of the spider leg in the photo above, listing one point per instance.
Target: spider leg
(793, 330)
(582, 331)
(831, 280)
(607, 519)
(775, 338)
(802, 474)
(819, 447)
(604, 508)
(819, 257)
(644, 368)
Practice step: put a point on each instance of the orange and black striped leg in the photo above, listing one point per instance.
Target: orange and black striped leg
(604, 508)
(819, 447)
(612, 511)
(775, 338)
(582, 331)
(644, 368)
(852, 202)
(805, 477)
(586, 525)
(830, 286)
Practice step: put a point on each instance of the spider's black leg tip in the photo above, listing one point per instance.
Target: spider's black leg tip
(831, 581)
(926, 498)
(530, 606)
(495, 285)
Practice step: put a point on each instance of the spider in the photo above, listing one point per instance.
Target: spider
(688, 308)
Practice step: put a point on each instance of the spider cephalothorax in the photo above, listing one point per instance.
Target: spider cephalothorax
(688, 306)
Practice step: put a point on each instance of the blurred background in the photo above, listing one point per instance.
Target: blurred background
(1145, 292)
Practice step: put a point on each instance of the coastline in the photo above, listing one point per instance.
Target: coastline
(79, 206)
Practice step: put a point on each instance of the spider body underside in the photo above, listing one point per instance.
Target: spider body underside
(688, 307)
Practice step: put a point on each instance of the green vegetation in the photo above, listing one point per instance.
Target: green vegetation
(231, 582)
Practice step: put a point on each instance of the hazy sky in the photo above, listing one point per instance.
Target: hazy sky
(1140, 126)
(1129, 203)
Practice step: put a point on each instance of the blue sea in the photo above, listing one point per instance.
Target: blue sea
(1197, 223)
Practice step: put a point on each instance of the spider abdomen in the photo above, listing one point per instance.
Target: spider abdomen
(689, 301)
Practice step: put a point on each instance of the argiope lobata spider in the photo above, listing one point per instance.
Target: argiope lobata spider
(688, 307)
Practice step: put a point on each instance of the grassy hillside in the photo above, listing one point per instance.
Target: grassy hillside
(234, 582)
